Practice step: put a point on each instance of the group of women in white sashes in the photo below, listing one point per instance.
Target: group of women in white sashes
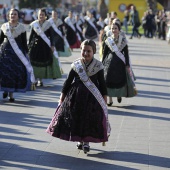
(23, 65)
(82, 115)
(47, 42)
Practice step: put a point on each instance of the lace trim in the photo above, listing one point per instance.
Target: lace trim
(15, 31)
(122, 42)
(93, 68)
(68, 19)
(58, 22)
(46, 25)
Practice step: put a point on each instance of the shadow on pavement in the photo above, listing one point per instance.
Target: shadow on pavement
(139, 115)
(40, 160)
(134, 158)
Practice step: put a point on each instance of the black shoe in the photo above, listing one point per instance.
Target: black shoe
(11, 99)
(5, 95)
(109, 104)
(80, 145)
(86, 148)
(119, 99)
(130, 37)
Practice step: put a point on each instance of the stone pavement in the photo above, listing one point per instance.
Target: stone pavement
(140, 137)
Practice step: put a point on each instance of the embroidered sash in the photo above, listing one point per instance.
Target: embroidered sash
(41, 33)
(113, 47)
(93, 89)
(19, 53)
(69, 22)
(92, 24)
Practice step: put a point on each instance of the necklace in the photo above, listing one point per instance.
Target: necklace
(41, 23)
(12, 27)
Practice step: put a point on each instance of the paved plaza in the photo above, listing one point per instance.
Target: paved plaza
(140, 137)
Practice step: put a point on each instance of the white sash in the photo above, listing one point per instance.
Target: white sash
(55, 27)
(113, 47)
(41, 33)
(78, 25)
(69, 22)
(93, 89)
(19, 53)
(58, 32)
(92, 24)
(66, 42)
(101, 24)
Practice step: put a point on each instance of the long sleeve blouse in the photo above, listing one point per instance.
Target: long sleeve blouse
(97, 79)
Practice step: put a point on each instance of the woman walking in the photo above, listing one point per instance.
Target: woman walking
(72, 35)
(61, 43)
(41, 48)
(117, 68)
(91, 30)
(82, 115)
(16, 71)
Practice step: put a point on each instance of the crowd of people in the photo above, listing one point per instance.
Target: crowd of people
(155, 25)
(91, 84)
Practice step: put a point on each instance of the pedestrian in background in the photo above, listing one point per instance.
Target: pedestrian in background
(163, 26)
(134, 21)
(144, 23)
(150, 24)
(5, 12)
(126, 20)
(82, 115)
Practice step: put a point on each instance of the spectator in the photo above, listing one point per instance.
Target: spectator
(150, 24)
(144, 23)
(126, 20)
(163, 26)
(4, 12)
(135, 21)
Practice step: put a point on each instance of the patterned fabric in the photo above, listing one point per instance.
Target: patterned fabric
(39, 51)
(93, 68)
(13, 72)
(80, 118)
(16, 31)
